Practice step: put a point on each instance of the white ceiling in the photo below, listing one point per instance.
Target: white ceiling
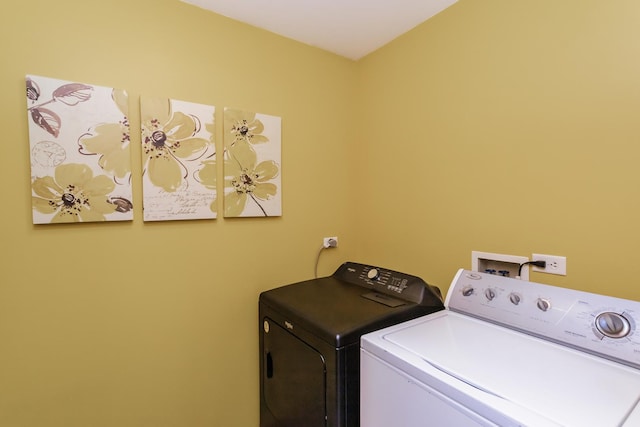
(350, 28)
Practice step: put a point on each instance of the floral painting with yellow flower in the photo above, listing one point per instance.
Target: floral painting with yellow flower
(73, 194)
(252, 158)
(176, 137)
(80, 151)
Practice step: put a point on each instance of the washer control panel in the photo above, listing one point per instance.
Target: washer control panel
(599, 324)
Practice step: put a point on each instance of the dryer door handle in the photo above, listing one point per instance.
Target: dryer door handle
(269, 365)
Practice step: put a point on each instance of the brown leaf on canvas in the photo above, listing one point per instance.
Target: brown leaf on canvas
(73, 93)
(33, 90)
(47, 120)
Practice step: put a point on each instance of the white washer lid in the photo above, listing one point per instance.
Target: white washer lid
(570, 387)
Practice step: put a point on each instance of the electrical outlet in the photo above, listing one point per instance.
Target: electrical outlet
(555, 264)
(330, 242)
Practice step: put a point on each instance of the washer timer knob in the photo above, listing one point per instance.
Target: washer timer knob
(467, 291)
(373, 274)
(490, 294)
(515, 298)
(543, 304)
(613, 325)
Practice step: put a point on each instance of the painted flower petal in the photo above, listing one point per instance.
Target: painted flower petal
(255, 129)
(165, 172)
(99, 206)
(115, 155)
(232, 115)
(231, 168)
(235, 119)
(181, 126)
(117, 162)
(188, 147)
(43, 205)
(266, 170)
(99, 186)
(64, 216)
(91, 215)
(121, 98)
(234, 204)
(265, 191)
(108, 138)
(258, 139)
(46, 187)
(256, 126)
(211, 128)
(155, 108)
(208, 175)
(244, 154)
(73, 174)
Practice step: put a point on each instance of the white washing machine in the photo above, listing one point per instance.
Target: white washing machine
(506, 352)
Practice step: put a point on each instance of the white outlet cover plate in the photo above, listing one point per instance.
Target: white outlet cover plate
(555, 264)
(325, 242)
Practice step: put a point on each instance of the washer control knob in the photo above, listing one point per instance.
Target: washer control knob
(613, 325)
(467, 291)
(490, 294)
(373, 274)
(515, 298)
(543, 304)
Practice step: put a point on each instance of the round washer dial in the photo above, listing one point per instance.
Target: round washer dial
(543, 304)
(467, 290)
(515, 298)
(613, 325)
(490, 294)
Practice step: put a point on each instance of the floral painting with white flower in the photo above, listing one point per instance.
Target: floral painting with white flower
(252, 164)
(80, 152)
(178, 159)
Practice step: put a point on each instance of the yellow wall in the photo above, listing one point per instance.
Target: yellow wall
(134, 324)
(508, 127)
(498, 126)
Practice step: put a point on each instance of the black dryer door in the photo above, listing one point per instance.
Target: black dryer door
(294, 378)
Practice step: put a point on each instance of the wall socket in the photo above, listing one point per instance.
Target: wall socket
(500, 264)
(330, 242)
(555, 264)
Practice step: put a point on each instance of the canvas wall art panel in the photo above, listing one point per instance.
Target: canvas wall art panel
(80, 152)
(252, 164)
(178, 160)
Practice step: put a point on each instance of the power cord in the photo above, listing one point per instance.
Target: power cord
(541, 264)
(322, 248)
(331, 243)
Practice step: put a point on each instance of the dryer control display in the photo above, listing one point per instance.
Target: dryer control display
(384, 281)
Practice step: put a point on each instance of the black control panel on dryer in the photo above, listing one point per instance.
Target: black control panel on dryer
(401, 287)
